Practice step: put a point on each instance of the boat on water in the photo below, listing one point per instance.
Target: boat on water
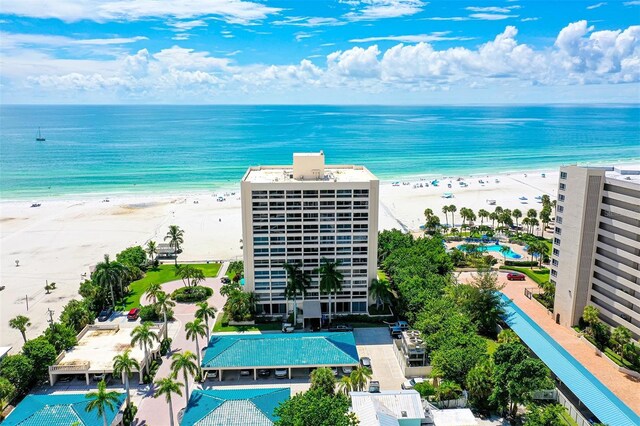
(39, 136)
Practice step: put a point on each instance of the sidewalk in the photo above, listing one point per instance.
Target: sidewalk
(155, 411)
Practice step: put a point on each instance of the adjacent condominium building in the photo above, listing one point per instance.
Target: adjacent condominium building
(596, 246)
(302, 214)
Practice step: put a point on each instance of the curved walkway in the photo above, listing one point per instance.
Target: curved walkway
(155, 411)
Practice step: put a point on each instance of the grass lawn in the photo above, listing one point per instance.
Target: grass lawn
(162, 274)
(566, 418)
(492, 345)
(217, 327)
(538, 275)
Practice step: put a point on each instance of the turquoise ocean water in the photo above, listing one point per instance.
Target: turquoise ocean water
(155, 149)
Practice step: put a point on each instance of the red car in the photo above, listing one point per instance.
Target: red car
(133, 314)
(515, 276)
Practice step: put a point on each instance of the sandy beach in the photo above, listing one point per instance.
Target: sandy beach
(60, 240)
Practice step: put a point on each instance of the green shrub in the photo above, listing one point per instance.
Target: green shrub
(525, 263)
(192, 294)
(425, 389)
(129, 414)
(150, 313)
(133, 257)
(165, 345)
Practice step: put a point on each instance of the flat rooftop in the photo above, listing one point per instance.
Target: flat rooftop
(280, 350)
(332, 173)
(100, 344)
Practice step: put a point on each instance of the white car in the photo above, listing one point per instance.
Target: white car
(287, 327)
(347, 370)
(409, 384)
(281, 373)
(334, 370)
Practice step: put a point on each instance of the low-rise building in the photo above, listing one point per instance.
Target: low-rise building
(295, 353)
(97, 345)
(61, 410)
(247, 407)
(388, 408)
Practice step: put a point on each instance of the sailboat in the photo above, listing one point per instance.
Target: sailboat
(39, 136)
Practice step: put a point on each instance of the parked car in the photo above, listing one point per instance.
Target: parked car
(395, 332)
(515, 276)
(334, 370)
(365, 361)
(341, 327)
(409, 384)
(225, 280)
(264, 373)
(245, 373)
(65, 378)
(133, 314)
(287, 327)
(347, 370)
(105, 314)
(211, 375)
(281, 373)
(404, 326)
(98, 377)
(374, 386)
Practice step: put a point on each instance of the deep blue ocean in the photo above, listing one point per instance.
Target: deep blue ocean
(105, 149)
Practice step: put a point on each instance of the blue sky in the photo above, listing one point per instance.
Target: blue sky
(338, 52)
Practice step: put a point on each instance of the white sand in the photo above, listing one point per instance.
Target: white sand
(61, 240)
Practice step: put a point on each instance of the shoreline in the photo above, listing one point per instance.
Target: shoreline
(152, 192)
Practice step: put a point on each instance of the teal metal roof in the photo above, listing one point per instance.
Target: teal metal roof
(280, 350)
(247, 407)
(57, 410)
(603, 403)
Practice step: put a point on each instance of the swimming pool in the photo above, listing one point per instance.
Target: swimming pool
(494, 248)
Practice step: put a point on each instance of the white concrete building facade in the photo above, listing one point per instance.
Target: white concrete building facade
(302, 214)
(596, 246)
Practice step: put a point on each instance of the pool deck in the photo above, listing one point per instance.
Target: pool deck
(624, 387)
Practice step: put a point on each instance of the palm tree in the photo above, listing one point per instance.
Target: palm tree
(151, 249)
(591, 315)
(360, 377)
(196, 329)
(453, 209)
(125, 365)
(184, 362)
(21, 323)
(447, 391)
(379, 290)
(143, 335)
(331, 280)
(163, 305)
(428, 214)
(108, 273)
(534, 222)
(166, 387)
(504, 250)
(532, 213)
(620, 337)
(152, 292)
(205, 313)
(445, 210)
(517, 214)
(175, 237)
(483, 214)
(345, 385)
(493, 216)
(101, 401)
(297, 283)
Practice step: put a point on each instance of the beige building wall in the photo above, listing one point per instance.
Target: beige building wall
(596, 250)
(284, 219)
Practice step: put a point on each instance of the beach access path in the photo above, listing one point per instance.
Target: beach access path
(155, 411)
(624, 387)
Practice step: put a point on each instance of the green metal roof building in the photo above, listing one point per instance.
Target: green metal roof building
(247, 407)
(280, 351)
(58, 410)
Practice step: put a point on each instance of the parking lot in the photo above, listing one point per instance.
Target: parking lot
(376, 344)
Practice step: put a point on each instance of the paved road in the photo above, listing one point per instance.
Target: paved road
(377, 345)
